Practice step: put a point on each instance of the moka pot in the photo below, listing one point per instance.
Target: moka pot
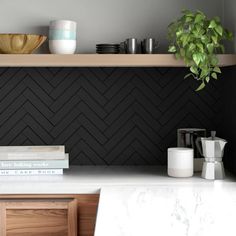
(212, 149)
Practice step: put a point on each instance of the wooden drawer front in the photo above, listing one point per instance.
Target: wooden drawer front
(36, 222)
(38, 217)
(86, 218)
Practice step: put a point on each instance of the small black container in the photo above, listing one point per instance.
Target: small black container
(186, 137)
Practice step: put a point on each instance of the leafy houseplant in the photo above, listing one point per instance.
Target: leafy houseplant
(196, 39)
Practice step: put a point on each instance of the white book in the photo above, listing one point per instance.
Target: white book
(35, 164)
(31, 172)
(32, 153)
(33, 149)
(23, 156)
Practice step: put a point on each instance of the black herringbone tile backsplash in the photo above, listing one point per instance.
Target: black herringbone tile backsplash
(104, 116)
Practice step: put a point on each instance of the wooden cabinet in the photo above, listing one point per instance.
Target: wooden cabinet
(48, 215)
(39, 217)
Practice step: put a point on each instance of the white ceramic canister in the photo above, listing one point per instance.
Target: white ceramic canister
(180, 162)
(62, 37)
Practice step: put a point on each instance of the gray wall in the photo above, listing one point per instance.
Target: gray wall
(101, 20)
(230, 21)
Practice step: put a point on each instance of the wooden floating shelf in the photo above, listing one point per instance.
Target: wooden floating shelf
(98, 60)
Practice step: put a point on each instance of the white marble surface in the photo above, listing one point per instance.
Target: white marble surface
(90, 179)
(168, 210)
(142, 201)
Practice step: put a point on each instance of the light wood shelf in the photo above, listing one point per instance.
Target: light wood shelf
(98, 60)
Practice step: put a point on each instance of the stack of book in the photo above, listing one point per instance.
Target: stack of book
(33, 160)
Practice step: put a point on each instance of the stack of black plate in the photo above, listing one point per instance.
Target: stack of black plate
(108, 48)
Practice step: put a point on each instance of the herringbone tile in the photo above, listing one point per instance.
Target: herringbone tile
(104, 116)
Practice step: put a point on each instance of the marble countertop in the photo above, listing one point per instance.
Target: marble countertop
(168, 206)
(138, 201)
(91, 179)
(170, 210)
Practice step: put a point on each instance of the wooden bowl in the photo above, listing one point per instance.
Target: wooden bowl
(20, 43)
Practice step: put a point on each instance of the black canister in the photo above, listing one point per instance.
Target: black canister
(186, 137)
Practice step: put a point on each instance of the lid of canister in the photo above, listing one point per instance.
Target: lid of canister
(180, 149)
(191, 129)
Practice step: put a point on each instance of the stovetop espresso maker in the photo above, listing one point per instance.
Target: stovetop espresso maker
(213, 150)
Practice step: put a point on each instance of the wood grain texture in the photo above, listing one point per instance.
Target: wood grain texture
(2, 219)
(86, 209)
(37, 204)
(36, 222)
(72, 218)
(96, 60)
(38, 216)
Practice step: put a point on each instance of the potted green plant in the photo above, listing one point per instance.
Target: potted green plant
(197, 39)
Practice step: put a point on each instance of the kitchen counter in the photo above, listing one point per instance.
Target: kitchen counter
(168, 206)
(180, 210)
(91, 179)
(138, 201)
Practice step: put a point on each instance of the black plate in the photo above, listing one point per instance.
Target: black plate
(107, 45)
(108, 52)
(108, 48)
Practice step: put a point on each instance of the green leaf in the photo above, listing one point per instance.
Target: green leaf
(188, 13)
(179, 32)
(207, 79)
(188, 19)
(214, 39)
(217, 69)
(200, 46)
(228, 35)
(210, 48)
(212, 24)
(182, 52)
(204, 72)
(214, 75)
(199, 17)
(184, 39)
(202, 86)
(194, 70)
(214, 60)
(188, 75)
(197, 58)
(172, 49)
(191, 47)
(219, 30)
(205, 39)
(177, 56)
